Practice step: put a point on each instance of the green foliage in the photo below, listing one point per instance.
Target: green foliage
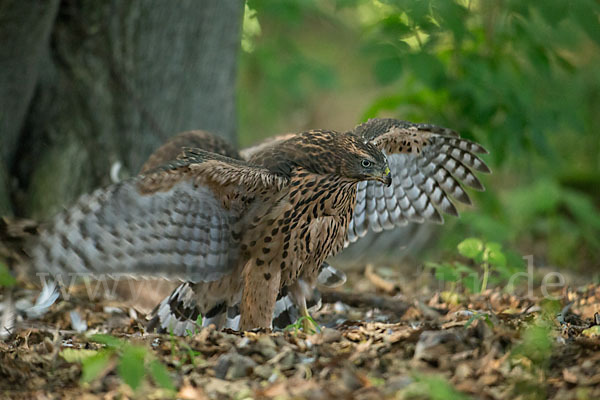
(300, 323)
(131, 365)
(6, 278)
(533, 353)
(471, 248)
(189, 354)
(520, 77)
(567, 219)
(432, 387)
(94, 366)
(197, 327)
(487, 257)
(508, 67)
(485, 317)
(160, 375)
(133, 362)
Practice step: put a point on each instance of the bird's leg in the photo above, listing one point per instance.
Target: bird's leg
(261, 286)
(299, 291)
(308, 323)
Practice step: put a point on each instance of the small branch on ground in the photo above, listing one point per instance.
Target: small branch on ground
(378, 281)
(366, 300)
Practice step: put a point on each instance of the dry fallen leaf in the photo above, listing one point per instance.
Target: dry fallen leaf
(569, 376)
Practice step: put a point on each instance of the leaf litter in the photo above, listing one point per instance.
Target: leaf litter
(377, 340)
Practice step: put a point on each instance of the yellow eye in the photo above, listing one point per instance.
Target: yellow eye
(365, 163)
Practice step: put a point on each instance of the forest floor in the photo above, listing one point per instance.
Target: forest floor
(380, 338)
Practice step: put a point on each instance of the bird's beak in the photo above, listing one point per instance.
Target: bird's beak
(386, 177)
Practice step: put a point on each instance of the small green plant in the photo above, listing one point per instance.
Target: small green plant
(197, 327)
(299, 324)
(488, 257)
(533, 355)
(177, 343)
(432, 387)
(133, 362)
(485, 317)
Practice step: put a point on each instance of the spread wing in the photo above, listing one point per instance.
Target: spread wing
(252, 151)
(428, 164)
(173, 147)
(176, 222)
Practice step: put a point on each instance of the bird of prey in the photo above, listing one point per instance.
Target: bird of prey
(178, 313)
(238, 231)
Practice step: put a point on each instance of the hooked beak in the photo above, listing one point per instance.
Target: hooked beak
(386, 177)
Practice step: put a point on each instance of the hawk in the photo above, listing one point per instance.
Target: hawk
(178, 313)
(238, 231)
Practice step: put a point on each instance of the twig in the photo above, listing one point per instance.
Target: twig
(379, 282)
(366, 300)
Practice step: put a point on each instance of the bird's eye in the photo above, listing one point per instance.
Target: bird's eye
(365, 163)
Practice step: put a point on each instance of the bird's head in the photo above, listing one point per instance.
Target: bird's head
(327, 152)
(363, 161)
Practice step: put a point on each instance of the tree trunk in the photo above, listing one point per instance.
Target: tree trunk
(114, 81)
(24, 31)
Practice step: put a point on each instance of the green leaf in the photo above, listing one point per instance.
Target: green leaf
(131, 366)
(485, 317)
(92, 367)
(471, 248)
(6, 278)
(394, 26)
(77, 355)
(472, 283)
(465, 269)
(447, 273)
(160, 375)
(432, 387)
(537, 344)
(494, 255)
(108, 340)
(427, 68)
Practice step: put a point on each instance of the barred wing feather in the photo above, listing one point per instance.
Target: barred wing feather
(428, 165)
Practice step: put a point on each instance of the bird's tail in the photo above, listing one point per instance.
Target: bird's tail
(178, 313)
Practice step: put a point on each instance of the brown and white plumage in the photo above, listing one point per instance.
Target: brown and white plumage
(240, 231)
(169, 222)
(237, 230)
(428, 163)
(178, 312)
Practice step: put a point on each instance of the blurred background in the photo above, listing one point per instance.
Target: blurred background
(522, 78)
(86, 84)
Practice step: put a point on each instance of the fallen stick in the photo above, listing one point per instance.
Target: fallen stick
(377, 281)
(365, 300)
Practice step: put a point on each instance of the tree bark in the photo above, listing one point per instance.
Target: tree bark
(24, 32)
(116, 80)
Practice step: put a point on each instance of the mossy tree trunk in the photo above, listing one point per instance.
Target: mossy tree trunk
(84, 84)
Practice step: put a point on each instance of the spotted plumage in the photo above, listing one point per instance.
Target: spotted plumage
(178, 313)
(240, 231)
